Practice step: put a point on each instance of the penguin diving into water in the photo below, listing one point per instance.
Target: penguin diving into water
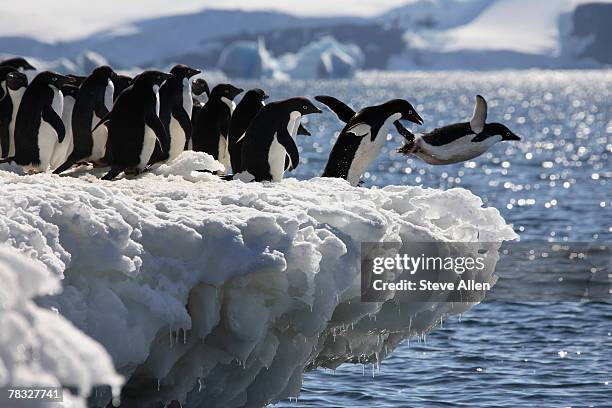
(363, 136)
(461, 141)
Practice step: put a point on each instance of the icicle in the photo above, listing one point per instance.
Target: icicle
(184, 336)
(170, 337)
(116, 395)
(158, 384)
(199, 384)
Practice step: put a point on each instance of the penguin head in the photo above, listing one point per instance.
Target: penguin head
(181, 71)
(18, 63)
(495, 129)
(78, 79)
(103, 73)
(302, 105)
(200, 86)
(5, 70)
(404, 108)
(257, 94)
(70, 90)
(151, 78)
(16, 80)
(228, 91)
(53, 79)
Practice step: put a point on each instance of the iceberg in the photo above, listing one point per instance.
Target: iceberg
(214, 293)
(324, 58)
(248, 59)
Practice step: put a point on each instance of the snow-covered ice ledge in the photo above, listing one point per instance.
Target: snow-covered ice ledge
(221, 294)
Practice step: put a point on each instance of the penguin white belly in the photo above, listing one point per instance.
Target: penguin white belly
(100, 137)
(47, 141)
(64, 149)
(457, 151)
(364, 156)
(187, 99)
(223, 156)
(177, 139)
(276, 159)
(148, 145)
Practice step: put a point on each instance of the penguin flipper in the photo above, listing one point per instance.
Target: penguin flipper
(52, 118)
(408, 135)
(114, 172)
(341, 109)
(285, 139)
(183, 120)
(480, 115)
(303, 131)
(153, 121)
(101, 110)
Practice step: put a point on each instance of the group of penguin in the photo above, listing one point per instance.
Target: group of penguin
(52, 122)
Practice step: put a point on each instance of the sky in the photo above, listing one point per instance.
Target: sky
(70, 19)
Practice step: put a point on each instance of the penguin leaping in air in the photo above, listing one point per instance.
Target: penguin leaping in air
(363, 136)
(461, 141)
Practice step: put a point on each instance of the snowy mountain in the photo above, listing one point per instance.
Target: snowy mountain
(423, 34)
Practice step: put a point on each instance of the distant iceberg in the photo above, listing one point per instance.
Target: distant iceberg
(324, 58)
(217, 293)
(248, 59)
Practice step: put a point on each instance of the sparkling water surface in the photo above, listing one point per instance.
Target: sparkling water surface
(553, 185)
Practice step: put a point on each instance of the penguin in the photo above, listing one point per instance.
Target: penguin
(200, 93)
(134, 126)
(19, 63)
(78, 79)
(38, 125)
(16, 83)
(62, 150)
(461, 141)
(120, 82)
(6, 108)
(271, 137)
(94, 101)
(176, 104)
(212, 125)
(363, 136)
(250, 104)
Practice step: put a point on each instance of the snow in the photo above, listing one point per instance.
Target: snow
(213, 292)
(39, 347)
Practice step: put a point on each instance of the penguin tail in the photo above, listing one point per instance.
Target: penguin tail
(114, 172)
(227, 177)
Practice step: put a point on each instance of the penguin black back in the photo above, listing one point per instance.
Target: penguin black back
(36, 106)
(92, 99)
(250, 104)
(6, 110)
(175, 103)
(212, 123)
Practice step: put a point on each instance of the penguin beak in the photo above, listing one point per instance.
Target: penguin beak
(511, 136)
(416, 118)
(28, 66)
(266, 96)
(194, 72)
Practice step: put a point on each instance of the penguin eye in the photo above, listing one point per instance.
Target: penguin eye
(305, 107)
(54, 79)
(410, 112)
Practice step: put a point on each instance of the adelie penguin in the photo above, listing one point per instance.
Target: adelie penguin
(250, 104)
(62, 150)
(271, 137)
(16, 84)
(94, 101)
(39, 127)
(461, 141)
(200, 93)
(134, 126)
(361, 140)
(212, 125)
(19, 63)
(176, 104)
(6, 110)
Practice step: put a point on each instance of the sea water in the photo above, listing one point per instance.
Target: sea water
(553, 185)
